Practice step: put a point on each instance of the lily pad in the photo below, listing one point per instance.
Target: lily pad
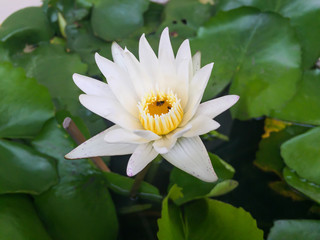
(304, 17)
(19, 220)
(23, 170)
(308, 188)
(25, 105)
(305, 104)
(229, 222)
(251, 50)
(79, 206)
(26, 26)
(295, 230)
(116, 19)
(53, 67)
(302, 154)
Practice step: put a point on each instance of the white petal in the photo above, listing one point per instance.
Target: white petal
(196, 61)
(96, 146)
(166, 57)
(184, 52)
(91, 86)
(117, 54)
(190, 155)
(164, 144)
(147, 56)
(141, 82)
(165, 52)
(146, 134)
(216, 106)
(119, 82)
(196, 90)
(120, 135)
(143, 155)
(201, 125)
(110, 109)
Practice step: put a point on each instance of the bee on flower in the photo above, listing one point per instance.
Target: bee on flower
(154, 103)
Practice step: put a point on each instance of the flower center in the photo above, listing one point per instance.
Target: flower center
(160, 113)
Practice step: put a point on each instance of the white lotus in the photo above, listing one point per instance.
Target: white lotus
(155, 106)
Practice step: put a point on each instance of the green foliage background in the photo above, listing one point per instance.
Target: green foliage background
(267, 52)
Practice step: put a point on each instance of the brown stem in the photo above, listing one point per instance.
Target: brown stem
(137, 181)
(78, 137)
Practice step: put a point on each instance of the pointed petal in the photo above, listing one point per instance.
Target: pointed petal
(96, 146)
(164, 144)
(201, 125)
(190, 155)
(196, 61)
(141, 157)
(119, 82)
(110, 109)
(140, 80)
(146, 134)
(184, 52)
(216, 106)
(117, 55)
(121, 135)
(196, 90)
(92, 86)
(147, 56)
(165, 52)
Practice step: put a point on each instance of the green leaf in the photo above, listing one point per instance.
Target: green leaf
(122, 185)
(116, 19)
(53, 67)
(28, 25)
(268, 158)
(170, 224)
(194, 188)
(189, 13)
(309, 189)
(305, 104)
(302, 154)
(24, 104)
(258, 52)
(80, 206)
(295, 230)
(304, 17)
(19, 220)
(82, 41)
(23, 170)
(212, 219)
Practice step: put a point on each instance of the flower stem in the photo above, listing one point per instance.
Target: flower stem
(137, 182)
(78, 137)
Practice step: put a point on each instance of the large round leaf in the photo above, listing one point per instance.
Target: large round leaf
(302, 154)
(28, 25)
(24, 170)
(116, 19)
(304, 106)
(212, 219)
(80, 206)
(295, 230)
(53, 67)
(304, 17)
(19, 220)
(258, 51)
(205, 219)
(308, 188)
(24, 104)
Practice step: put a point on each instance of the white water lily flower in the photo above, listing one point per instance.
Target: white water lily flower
(155, 105)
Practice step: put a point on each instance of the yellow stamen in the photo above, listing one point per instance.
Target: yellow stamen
(160, 113)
